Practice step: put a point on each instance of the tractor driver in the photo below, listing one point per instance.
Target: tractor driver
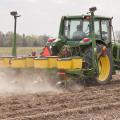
(79, 34)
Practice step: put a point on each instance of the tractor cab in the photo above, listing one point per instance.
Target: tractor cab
(76, 28)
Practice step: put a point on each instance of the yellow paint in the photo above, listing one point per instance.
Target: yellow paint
(64, 63)
(41, 63)
(30, 62)
(52, 61)
(2, 65)
(77, 63)
(18, 63)
(6, 61)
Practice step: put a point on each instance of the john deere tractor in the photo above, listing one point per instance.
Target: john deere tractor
(84, 52)
(85, 49)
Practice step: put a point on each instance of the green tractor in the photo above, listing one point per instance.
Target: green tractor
(88, 38)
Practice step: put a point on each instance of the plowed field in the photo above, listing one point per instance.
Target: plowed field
(88, 103)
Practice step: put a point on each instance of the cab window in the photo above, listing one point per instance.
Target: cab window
(102, 30)
(105, 30)
(76, 29)
(97, 30)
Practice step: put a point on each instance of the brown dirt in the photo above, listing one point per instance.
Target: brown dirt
(89, 103)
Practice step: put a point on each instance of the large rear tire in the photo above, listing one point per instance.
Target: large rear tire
(105, 68)
(104, 65)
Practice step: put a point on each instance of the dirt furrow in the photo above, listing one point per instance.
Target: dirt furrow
(38, 97)
(55, 100)
(67, 112)
(59, 106)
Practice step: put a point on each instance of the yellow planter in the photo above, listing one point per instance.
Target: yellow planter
(77, 63)
(18, 63)
(64, 63)
(52, 61)
(41, 63)
(30, 61)
(7, 61)
(1, 63)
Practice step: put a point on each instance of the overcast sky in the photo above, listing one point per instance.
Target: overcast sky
(43, 16)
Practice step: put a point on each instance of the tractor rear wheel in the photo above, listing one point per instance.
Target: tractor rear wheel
(105, 68)
(104, 65)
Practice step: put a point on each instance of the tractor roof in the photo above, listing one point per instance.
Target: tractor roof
(82, 16)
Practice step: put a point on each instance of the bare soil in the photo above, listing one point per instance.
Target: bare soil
(87, 103)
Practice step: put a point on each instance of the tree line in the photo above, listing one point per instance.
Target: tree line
(6, 40)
